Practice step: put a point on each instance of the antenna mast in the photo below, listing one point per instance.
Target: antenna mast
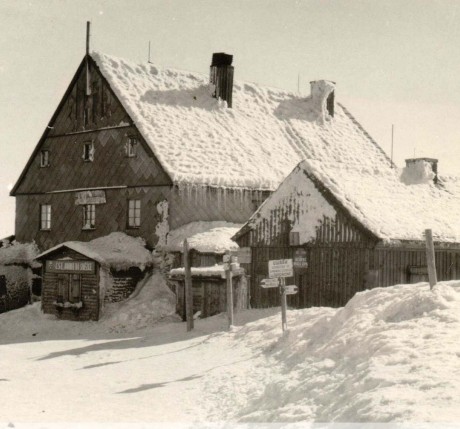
(149, 54)
(88, 77)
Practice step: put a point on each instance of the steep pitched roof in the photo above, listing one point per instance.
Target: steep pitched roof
(383, 200)
(199, 141)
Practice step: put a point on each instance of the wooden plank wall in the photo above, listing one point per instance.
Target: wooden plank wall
(89, 292)
(336, 273)
(67, 218)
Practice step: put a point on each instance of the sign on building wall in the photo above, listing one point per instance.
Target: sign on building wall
(90, 197)
(70, 266)
(300, 259)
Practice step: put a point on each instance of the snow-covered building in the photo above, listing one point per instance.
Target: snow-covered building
(156, 153)
(354, 226)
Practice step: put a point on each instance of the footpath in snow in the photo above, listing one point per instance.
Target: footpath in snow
(391, 355)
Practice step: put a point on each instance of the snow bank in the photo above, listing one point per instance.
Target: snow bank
(145, 307)
(205, 237)
(116, 250)
(391, 354)
(255, 144)
(19, 253)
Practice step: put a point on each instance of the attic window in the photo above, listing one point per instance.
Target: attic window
(131, 146)
(44, 158)
(88, 152)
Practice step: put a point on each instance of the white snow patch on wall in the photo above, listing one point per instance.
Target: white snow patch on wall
(162, 227)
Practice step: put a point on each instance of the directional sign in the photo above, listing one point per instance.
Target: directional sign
(266, 283)
(300, 259)
(291, 290)
(280, 268)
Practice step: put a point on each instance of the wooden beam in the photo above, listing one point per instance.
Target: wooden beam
(430, 258)
(188, 288)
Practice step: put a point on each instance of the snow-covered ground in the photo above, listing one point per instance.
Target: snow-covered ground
(391, 355)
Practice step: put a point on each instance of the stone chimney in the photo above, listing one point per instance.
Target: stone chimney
(322, 94)
(221, 76)
(415, 163)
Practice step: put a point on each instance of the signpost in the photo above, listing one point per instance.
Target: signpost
(278, 270)
(228, 262)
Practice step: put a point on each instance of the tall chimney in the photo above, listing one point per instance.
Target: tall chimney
(221, 76)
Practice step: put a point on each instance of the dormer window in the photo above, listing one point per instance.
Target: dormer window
(131, 147)
(88, 152)
(44, 158)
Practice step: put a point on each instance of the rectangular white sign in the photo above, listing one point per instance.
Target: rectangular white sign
(90, 197)
(280, 268)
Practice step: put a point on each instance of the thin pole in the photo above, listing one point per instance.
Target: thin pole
(298, 83)
(188, 288)
(430, 258)
(392, 138)
(149, 52)
(283, 304)
(88, 29)
(229, 281)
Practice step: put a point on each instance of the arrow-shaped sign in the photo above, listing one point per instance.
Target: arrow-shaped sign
(267, 283)
(291, 290)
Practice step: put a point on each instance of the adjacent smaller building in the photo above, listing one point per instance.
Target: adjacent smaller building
(78, 278)
(351, 226)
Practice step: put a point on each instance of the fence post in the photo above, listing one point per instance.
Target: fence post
(188, 288)
(228, 277)
(430, 258)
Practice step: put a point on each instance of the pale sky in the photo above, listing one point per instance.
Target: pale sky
(394, 62)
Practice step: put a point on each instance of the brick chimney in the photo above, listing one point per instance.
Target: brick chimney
(221, 76)
(433, 162)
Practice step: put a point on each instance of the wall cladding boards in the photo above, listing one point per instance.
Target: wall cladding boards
(209, 204)
(67, 218)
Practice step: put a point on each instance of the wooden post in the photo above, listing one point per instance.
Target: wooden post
(228, 277)
(188, 288)
(283, 304)
(88, 77)
(430, 258)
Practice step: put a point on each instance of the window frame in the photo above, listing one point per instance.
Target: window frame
(134, 217)
(44, 159)
(131, 147)
(45, 217)
(66, 287)
(89, 209)
(88, 155)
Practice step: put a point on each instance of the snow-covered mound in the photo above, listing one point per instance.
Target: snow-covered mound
(154, 301)
(391, 354)
(212, 237)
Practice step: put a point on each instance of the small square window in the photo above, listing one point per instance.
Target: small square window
(45, 217)
(134, 213)
(89, 216)
(131, 147)
(44, 158)
(88, 152)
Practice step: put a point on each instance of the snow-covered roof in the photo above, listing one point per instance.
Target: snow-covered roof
(205, 237)
(18, 253)
(255, 144)
(392, 204)
(116, 250)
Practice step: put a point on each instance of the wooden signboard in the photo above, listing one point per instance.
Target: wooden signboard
(280, 268)
(70, 266)
(90, 197)
(300, 259)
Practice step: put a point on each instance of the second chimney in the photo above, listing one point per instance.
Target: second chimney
(221, 76)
